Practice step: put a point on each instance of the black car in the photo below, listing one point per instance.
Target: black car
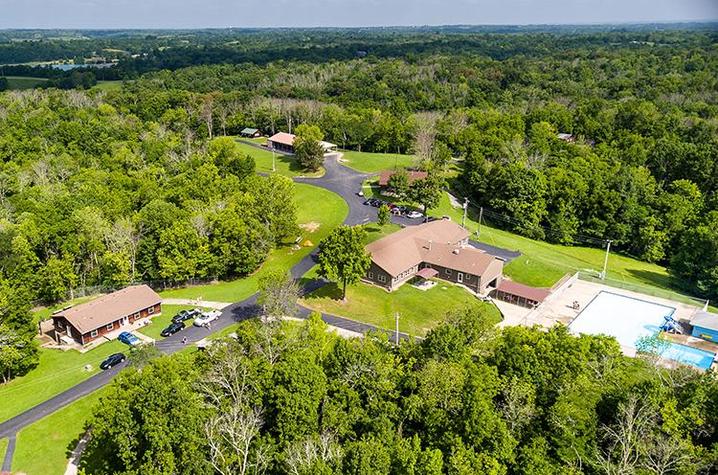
(376, 203)
(112, 360)
(184, 315)
(173, 328)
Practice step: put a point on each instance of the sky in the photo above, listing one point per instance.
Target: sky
(341, 13)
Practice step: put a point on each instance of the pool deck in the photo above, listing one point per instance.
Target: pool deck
(559, 308)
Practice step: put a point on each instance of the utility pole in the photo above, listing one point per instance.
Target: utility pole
(273, 167)
(466, 207)
(605, 260)
(396, 338)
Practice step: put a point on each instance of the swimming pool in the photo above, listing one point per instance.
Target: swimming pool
(628, 319)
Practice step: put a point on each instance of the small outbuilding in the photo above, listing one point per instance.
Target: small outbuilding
(705, 326)
(250, 133)
(89, 321)
(520, 294)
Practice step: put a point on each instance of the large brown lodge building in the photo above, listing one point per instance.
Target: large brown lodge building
(441, 249)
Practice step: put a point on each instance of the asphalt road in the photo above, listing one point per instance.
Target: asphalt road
(339, 179)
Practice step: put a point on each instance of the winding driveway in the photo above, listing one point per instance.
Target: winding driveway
(339, 179)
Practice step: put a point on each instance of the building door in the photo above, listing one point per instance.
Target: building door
(124, 321)
(460, 277)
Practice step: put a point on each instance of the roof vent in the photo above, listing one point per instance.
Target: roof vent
(456, 251)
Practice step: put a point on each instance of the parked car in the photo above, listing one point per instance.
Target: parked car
(375, 202)
(129, 339)
(173, 328)
(395, 210)
(360, 193)
(185, 315)
(414, 215)
(113, 360)
(206, 318)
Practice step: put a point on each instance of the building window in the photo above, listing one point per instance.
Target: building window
(93, 333)
(60, 325)
(448, 271)
(382, 278)
(110, 326)
(136, 316)
(371, 275)
(150, 310)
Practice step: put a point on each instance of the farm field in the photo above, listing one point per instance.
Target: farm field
(15, 83)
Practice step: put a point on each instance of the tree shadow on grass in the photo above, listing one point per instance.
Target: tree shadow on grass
(654, 278)
(329, 290)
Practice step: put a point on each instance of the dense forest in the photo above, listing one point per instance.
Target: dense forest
(467, 400)
(94, 199)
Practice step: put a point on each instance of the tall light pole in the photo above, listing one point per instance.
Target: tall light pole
(605, 260)
(466, 207)
(274, 169)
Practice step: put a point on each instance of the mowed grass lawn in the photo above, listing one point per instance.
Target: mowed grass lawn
(161, 322)
(284, 164)
(58, 370)
(43, 447)
(542, 264)
(318, 209)
(419, 311)
(368, 162)
(3, 448)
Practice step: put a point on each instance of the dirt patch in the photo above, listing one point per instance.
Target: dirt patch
(310, 227)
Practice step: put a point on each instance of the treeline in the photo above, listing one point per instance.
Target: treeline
(468, 399)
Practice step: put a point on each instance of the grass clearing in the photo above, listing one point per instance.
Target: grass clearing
(22, 82)
(284, 164)
(419, 311)
(314, 205)
(369, 162)
(43, 448)
(58, 371)
(108, 85)
(3, 447)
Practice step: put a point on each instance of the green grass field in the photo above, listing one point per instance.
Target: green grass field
(58, 370)
(160, 322)
(20, 82)
(108, 85)
(315, 207)
(43, 447)
(368, 162)
(3, 448)
(284, 164)
(419, 311)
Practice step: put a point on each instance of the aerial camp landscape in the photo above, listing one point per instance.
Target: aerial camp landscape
(374, 250)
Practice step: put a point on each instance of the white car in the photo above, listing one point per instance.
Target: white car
(206, 318)
(414, 215)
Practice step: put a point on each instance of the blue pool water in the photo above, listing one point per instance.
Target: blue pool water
(628, 319)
